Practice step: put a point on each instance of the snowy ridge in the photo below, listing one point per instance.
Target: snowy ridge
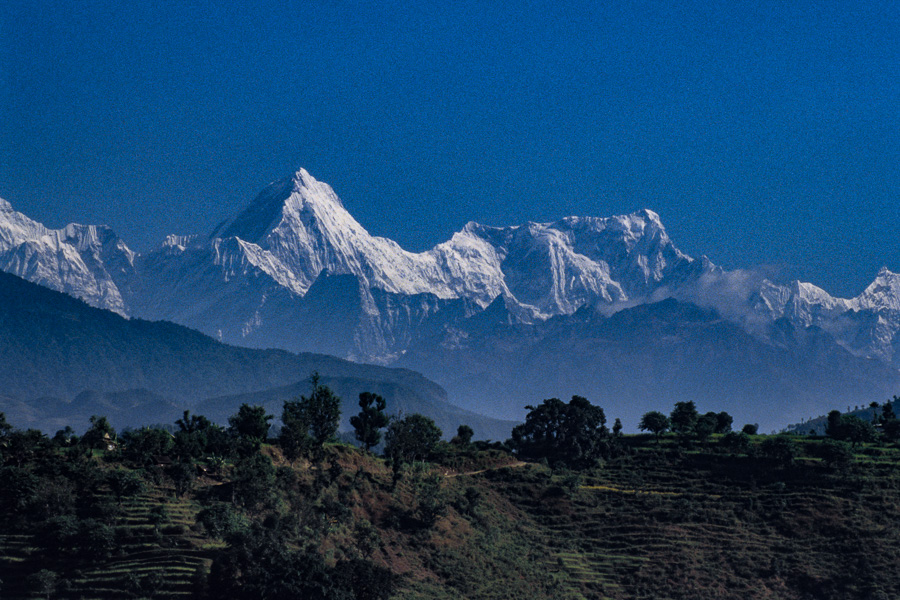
(548, 268)
(86, 261)
(867, 325)
(883, 293)
(248, 280)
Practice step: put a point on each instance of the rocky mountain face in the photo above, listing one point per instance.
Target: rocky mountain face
(294, 270)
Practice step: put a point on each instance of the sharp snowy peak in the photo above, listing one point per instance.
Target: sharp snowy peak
(555, 268)
(810, 305)
(883, 293)
(807, 304)
(867, 325)
(255, 271)
(86, 261)
(295, 270)
(296, 228)
(300, 224)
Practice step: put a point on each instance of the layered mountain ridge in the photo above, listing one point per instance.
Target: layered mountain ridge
(295, 270)
(64, 361)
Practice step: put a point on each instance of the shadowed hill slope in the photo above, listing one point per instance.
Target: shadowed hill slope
(63, 360)
(645, 357)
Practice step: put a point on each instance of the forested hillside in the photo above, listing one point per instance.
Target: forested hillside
(212, 512)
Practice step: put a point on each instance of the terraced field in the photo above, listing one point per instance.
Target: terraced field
(157, 554)
(707, 526)
(658, 522)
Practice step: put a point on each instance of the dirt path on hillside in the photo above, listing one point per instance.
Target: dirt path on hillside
(514, 465)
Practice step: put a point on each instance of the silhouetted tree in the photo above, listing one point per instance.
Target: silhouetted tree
(21, 447)
(370, 420)
(736, 442)
(779, 449)
(188, 446)
(705, 426)
(833, 424)
(294, 438)
(857, 431)
(250, 425)
(683, 418)
(890, 425)
(99, 435)
(183, 474)
(836, 453)
(5, 428)
(65, 437)
(124, 484)
(309, 422)
(408, 439)
(86, 538)
(141, 445)
(874, 406)
(463, 436)
(217, 441)
(323, 411)
(254, 481)
(573, 433)
(257, 565)
(887, 410)
(654, 422)
(222, 520)
(723, 422)
(849, 428)
(43, 583)
(193, 423)
(750, 429)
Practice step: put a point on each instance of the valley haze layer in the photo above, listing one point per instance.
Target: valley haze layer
(501, 317)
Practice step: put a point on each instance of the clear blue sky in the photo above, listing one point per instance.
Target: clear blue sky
(762, 132)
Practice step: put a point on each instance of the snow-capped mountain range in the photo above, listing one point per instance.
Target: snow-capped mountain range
(296, 270)
(86, 261)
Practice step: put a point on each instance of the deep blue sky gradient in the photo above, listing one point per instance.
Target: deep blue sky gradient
(764, 133)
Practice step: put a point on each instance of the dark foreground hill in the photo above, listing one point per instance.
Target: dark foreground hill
(657, 521)
(62, 361)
